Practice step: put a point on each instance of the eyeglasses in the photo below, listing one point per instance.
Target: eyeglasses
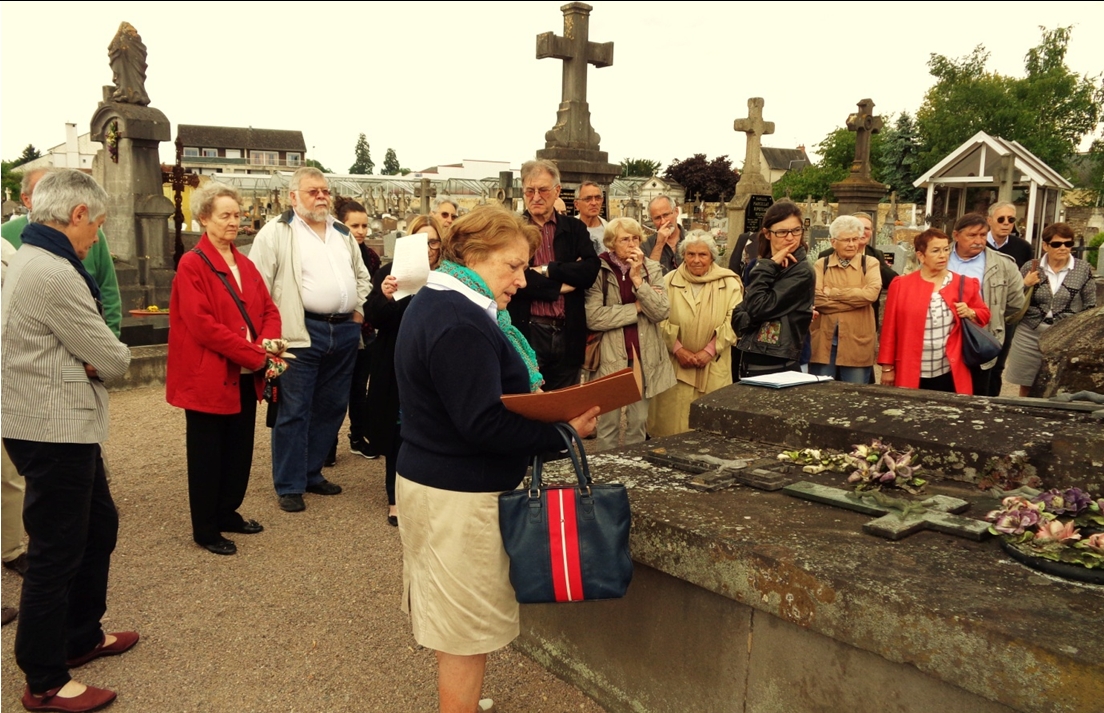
(446, 215)
(544, 192)
(847, 241)
(792, 232)
(1006, 219)
(433, 244)
(1061, 243)
(662, 217)
(315, 192)
(591, 199)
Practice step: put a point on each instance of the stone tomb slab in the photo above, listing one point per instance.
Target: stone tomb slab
(712, 473)
(893, 523)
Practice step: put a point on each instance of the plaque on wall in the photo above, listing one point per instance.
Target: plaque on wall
(756, 209)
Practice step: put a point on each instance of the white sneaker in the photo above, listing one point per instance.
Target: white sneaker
(486, 705)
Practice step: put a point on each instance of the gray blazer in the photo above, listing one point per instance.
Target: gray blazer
(51, 329)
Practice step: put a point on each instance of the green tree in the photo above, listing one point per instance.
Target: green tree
(29, 154)
(391, 165)
(1048, 111)
(363, 164)
(316, 164)
(715, 180)
(12, 179)
(837, 152)
(899, 159)
(639, 167)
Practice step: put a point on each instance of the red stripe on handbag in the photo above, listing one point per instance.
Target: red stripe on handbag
(563, 538)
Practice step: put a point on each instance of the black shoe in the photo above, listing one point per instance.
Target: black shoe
(324, 488)
(331, 457)
(245, 527)
(393, 520)
(18, 565)
(292, 503)
(221, 547)
(363, 448)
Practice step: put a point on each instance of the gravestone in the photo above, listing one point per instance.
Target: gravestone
(753, 192)
(860, 192)
(896, 256)
(1073, 355)
(129, 169)
(572, 143)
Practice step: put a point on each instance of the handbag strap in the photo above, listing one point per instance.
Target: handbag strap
(233, 295)
(575, 452)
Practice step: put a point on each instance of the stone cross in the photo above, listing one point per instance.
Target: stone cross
(425, 192)
(573, 127)
(897, 519)
(864, 124)
(755, 128)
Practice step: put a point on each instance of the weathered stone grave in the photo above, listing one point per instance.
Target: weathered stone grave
(752, 600)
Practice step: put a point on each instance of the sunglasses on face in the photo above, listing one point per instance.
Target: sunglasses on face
(1061, 243)
(1006, 219)
(446, 215)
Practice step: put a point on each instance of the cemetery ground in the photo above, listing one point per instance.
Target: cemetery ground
(304, 618)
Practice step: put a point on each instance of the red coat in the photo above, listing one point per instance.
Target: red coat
(906, 310)
(207, 333)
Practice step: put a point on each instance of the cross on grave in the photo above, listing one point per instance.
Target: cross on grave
(864, 124)
(425, 192)
(755, 128)
(573, 127)
(897, 518)
(711, 473)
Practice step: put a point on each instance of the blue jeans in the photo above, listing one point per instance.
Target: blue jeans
(850, 374)
(314, 393)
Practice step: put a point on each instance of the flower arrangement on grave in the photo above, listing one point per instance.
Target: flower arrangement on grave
(1009, 472)
(113, 141)
(870, 467)
(1060, 525)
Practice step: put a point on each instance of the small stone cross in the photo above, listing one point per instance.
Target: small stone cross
(755, 128)
(576, 50)
(895, 523)
(864, 124)
(425, 192)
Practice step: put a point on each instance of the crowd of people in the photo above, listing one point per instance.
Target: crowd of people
(314, 325)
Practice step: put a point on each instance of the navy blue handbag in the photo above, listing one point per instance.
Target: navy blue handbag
(978, 345)
(567, 543)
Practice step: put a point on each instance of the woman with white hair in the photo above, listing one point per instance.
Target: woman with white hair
(698, 333)
(848, 282)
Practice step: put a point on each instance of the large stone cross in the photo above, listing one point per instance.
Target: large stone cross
(894, 523)
(755, 128)
(864, 124)
(573, 129)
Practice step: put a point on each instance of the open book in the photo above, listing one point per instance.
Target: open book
(783, 379)
(611, 392)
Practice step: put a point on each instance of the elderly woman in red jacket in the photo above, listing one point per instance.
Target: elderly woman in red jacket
(220, 315)
(921, 346)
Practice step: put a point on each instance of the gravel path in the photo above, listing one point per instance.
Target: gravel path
(304, 618)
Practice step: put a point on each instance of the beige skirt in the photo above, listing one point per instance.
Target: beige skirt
(456, 574)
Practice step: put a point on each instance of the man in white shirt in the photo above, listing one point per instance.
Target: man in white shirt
(589, 205)
(313, 269)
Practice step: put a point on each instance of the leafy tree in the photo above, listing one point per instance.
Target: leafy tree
(1048, 111)
(363, 164)
(898, 159)
(391, 164)
(715, 180)
(29, 154)
(639, 167)
(316, 164)
(837, 152)
(12, 179)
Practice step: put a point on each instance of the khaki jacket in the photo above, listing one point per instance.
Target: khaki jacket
(845, 299)
(1003, 291)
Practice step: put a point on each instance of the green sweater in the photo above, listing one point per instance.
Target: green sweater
(98, 263)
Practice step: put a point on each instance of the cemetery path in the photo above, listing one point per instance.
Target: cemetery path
(304, 618)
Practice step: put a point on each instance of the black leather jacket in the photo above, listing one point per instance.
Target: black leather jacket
(777, 309)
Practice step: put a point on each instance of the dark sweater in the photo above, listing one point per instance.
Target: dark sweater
(453, 364)
(1018, 249)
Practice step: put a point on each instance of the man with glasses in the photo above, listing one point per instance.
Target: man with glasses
(312, 266)
(1001, 287)
(588, 203)
(663, 246)
(445, 210)
(550, 309)
(1002, 219)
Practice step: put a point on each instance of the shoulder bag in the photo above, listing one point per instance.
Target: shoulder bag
(978, 345)
(567, 543)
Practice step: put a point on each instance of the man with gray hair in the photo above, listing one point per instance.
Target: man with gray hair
(663, 246)
(1002, 219)
(55, 355)
(550, 310)
(312, 266)
(588, 203)
(445, 209)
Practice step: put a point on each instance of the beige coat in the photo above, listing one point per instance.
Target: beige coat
(845, 298)
(612, 316)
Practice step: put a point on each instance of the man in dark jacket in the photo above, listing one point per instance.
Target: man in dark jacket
(550, 310)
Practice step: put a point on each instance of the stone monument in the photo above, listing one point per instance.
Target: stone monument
(753, 193)
(129, 169)
(573, 143)
(860, 192)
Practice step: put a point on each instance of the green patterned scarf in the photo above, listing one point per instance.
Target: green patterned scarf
(517, 339)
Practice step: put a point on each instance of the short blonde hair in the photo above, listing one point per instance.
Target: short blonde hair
(484, 230)
(203, 200)
(422, 221)
(627, 225)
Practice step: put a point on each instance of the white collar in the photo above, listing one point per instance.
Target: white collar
(1045, 263)
(441, 281)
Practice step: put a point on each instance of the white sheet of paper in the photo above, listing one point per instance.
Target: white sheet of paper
(411, 264)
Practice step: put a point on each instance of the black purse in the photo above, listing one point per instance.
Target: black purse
(978, 345)
(567, 543)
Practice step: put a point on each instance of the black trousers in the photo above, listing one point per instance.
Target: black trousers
(549, 341)
(358, 395)
(982, 379)
(996, 380)
(73, 525)
(944, 382)
(390, 460)
(220, 456)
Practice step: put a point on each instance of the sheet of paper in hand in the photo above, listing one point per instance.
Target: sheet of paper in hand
(411, 265)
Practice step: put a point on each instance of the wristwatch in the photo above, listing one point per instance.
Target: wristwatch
(543, 269)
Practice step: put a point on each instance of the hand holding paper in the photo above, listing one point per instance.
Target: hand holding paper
(411, 264)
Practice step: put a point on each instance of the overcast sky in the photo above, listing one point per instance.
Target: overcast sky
(441, 82)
